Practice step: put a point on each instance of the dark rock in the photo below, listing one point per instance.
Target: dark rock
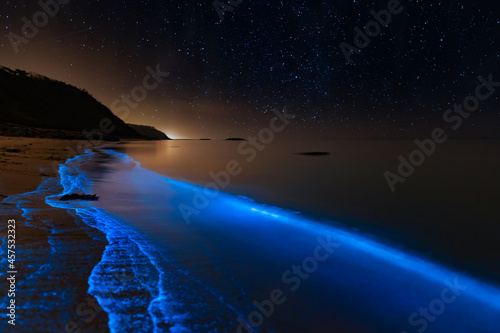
(76, 196)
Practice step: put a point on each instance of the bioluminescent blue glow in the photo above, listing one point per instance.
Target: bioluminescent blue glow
(212, 268)
(429, 270)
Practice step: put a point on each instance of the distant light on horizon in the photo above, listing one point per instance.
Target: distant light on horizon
(171, 134)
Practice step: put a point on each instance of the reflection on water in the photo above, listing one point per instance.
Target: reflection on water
(447, 209)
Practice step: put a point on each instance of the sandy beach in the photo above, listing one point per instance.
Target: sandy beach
(24, 162)
(55, 251)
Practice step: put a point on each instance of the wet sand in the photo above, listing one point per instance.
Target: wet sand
(55, 251)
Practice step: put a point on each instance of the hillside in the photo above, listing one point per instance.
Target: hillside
(34, 105)
(149, 132)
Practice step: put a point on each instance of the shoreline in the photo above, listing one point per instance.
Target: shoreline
(60, 241)
(25, 162)
(55, 250)
(203, 233)
(63, 254)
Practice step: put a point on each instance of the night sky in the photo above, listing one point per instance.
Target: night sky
(227, 76)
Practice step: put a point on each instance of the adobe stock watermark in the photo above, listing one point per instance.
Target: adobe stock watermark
(371, 30)
(427, 147)
(121, 108)
(139, 93)
(30, 29)
(221, 8)
(420, 320)
(250, 148)
(292, 279)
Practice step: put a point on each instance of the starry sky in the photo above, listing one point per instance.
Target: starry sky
(226, 76)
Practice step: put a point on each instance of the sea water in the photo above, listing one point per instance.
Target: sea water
(243, 263)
